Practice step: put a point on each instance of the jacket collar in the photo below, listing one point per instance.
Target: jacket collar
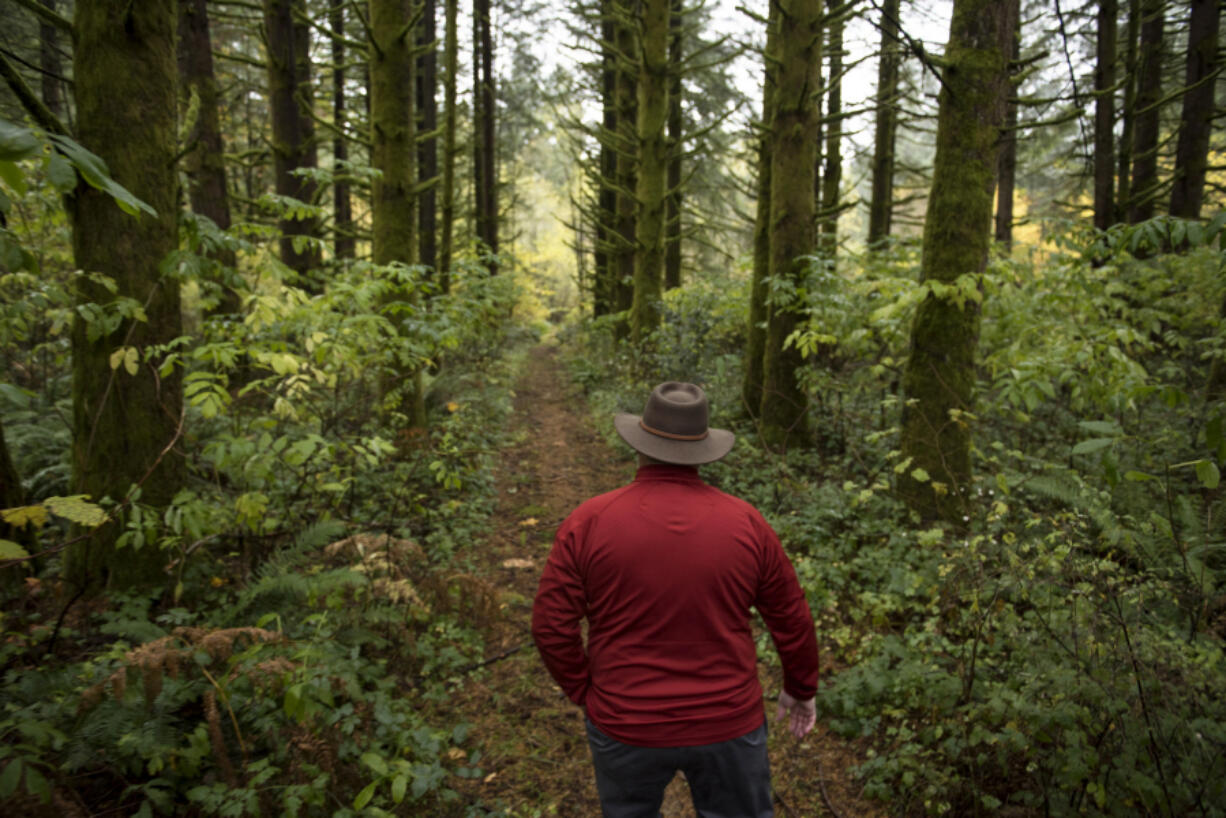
(667, 471)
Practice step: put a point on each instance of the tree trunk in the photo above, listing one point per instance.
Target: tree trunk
(485, 173)
(293, 130)
(939, 377)
(1196, 120)
(625, 228)
(344, 242)
(792, 225)
(604, 285)
(672, 241)
(1006, 163)
(832, 176)
(881, 205)
(451, 61)
(125, 426)
(1149, 91)
(12, 494)
(755, 343)
(1104, 116)
(427, 152)
(393, 202)
(651, 190)
(1128, 114)
(205, 162)
(49, 61)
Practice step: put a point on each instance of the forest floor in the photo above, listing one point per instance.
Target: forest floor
(535, 758)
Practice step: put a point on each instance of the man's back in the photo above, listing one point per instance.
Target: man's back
(666, 570)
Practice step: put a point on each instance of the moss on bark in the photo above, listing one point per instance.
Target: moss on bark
(652, 187)
(939, 377)
(124, 426)
(792, 209)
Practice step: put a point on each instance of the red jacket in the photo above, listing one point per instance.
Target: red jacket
(665, 571)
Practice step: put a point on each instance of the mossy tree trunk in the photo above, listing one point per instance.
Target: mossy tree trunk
(1144, 188)
(755, 341)
(939, 377)
(49, 61)
(652, 187)
(450, 67)
(288, 38)
(792, 210)
(672, 229)
(204, 162)
(1104, 115)
(485, 166)
(603, 285)
(832, 175)
(881, 204)
(393, 201)
(1196, 118)
(344, 242)
(625, 230)
(125, 426)
(427, 153)
(1128, 118)
(1006, 160)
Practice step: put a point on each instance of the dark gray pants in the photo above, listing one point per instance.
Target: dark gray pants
(729, 779)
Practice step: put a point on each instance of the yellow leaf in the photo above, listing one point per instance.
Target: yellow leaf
(452, 406)
(130, 358)
(22, 515)
(529, 521)
(76, 508)
(10, 550)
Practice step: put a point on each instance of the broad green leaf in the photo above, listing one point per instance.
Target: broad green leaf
(1138, 476)
(78, 509)
(1094, 444)
(60, 172)
(36, 784)
(920, 475)
(399, 784)
(13, 177)
(376, 762)
(16, 142)
(9, 778)
(363, 798)
(1102, 427)
(23, 515)
(10, 550)
(94, 171)
(1208, 474)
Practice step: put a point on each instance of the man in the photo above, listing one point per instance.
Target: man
(665, 571)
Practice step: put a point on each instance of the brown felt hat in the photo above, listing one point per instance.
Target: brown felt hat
(673, 427)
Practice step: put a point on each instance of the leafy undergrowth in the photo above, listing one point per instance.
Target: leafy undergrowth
(1061, 651)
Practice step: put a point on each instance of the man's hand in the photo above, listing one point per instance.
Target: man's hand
(801, 715)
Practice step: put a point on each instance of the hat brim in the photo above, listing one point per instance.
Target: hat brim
(714, 446)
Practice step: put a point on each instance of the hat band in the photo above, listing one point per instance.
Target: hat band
(671, 435)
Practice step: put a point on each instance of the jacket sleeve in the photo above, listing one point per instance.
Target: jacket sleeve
(784, 609)
(560, 604)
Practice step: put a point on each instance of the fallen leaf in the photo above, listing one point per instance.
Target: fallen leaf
(529, 521)
(516, 562)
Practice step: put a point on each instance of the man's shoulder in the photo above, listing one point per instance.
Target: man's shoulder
(593, 506)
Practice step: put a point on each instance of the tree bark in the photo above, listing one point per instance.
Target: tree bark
(125, 426)
(451, 61)
(344, 242)
(881, 205)
(205, 163)
(484, 146)
(672, 241)
(1006, 163)
(755, 343)
(604, 285)
(1196, 119)
(832, 176)
(393, 201)
(293, 129)
(1104, 115)
(651, 190)
(792, 224)
(49, 61)
(625, 227)
(939, 378)
(1144, 190)
(1123, 192)
(427, 153)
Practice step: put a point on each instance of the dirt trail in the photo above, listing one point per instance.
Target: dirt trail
(535, 753)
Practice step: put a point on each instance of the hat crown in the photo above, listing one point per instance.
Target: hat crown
(678, 410)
